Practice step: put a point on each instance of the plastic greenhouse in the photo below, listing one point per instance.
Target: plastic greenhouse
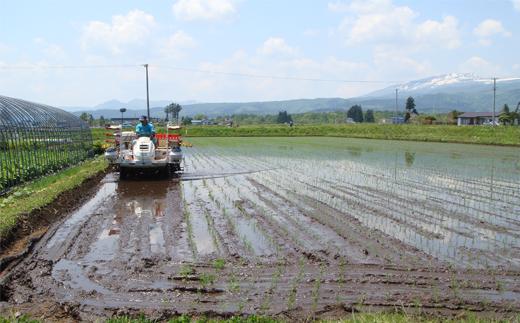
(37, 139)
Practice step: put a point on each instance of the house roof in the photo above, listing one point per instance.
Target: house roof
(477, 114)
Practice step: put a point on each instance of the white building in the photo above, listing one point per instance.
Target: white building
(477, 118)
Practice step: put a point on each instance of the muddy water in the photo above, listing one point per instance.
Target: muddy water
(297, 226)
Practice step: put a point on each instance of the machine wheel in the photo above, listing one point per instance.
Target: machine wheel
(123, 173)
(172, 169)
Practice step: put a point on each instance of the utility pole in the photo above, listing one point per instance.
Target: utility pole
(494, 98)
(122, 110)
(147, 94)
(396, 109)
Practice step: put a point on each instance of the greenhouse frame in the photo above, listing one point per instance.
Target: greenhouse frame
(37, 139)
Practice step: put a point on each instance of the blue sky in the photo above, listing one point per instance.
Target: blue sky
(379, 40)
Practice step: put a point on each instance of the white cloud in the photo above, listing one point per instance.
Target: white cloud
(124, 30)
(516, 4)
(369, 26)
(276, 45)
(479, 66)
(380, 21)
(488, 29)
(204, 9)
(177, 45)
(444, 33)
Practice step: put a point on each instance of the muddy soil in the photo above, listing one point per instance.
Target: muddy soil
(34, 225)
(251, 232)
(163, 249)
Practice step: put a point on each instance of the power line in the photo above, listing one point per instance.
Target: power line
(36, 67)
(194, 70)
(294, 78)
(211, 72)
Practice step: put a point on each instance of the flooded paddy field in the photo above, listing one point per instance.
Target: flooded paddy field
(294, 227)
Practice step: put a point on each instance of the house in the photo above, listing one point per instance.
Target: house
(397, 120)
(204, 122)
(477, 118)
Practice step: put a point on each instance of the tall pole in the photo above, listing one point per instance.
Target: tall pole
(147, 94)
(122, 110)
(396, 109)
(494, 98)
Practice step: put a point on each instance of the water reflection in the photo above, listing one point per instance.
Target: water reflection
(409, 158)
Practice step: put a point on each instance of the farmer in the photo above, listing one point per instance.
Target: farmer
(145, 129)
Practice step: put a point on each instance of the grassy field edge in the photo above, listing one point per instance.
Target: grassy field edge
(506, 136)
(39, 193)
(502, 136)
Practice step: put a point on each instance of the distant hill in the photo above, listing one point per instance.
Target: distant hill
(463, 92)
(110, 109)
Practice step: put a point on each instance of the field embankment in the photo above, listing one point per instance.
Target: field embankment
(22, 212)
(506, 136)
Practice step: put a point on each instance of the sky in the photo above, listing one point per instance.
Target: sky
(72, 53)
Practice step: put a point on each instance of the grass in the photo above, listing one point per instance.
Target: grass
(508, 136)
(502, 135)
(43, 191)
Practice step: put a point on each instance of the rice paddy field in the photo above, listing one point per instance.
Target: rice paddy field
(457, 203)
(297, 228)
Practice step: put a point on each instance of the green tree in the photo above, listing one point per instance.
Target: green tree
(356, 113)
(505, 117)
(186, 120)
(167, 112)
(410, 104)
(410, 109)
(515, 115)
(102, 121)
(369, 116)
(84, 116)
(283, 117)
(174, 109)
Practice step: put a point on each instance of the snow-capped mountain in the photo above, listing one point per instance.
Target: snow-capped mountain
(447, 83)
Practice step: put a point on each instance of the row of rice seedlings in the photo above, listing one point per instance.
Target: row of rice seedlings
(336, 224)
(222, 202)
(233, 197)
(268, 294)
(187, 219)
(312, 193)
(276, 220)
(293, 291)
(463, 226)
(202, 219)
(316, 289)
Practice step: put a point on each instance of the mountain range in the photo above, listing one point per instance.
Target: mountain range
(443, 93)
